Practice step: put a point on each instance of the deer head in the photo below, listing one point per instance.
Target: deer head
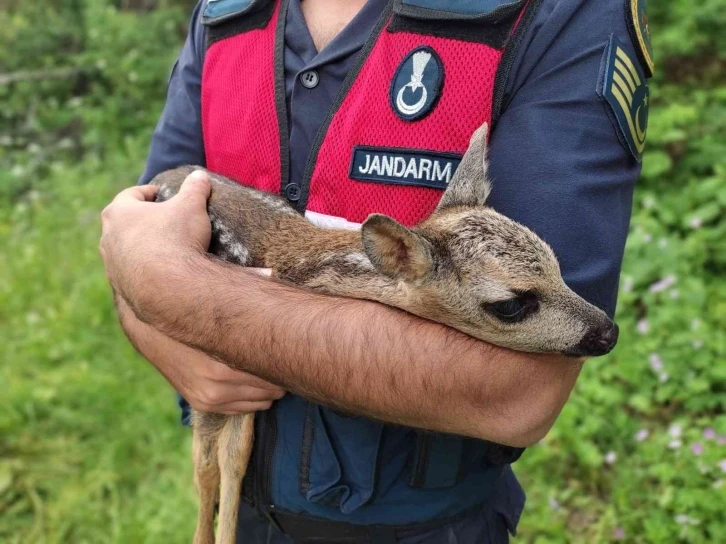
(473, 269)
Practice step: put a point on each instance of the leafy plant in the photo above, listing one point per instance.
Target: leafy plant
(90, 448)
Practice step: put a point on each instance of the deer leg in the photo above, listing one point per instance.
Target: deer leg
(206, 429)
(235, 448)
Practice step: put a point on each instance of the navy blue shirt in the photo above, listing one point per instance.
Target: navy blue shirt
(556, 162)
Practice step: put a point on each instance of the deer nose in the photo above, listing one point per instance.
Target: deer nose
(597, 341)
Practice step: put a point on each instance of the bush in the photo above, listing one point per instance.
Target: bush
(90, 448)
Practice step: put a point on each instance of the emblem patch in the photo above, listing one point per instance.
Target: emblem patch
(625, 91)
(398, 166)
(417, 84)
(637, 15)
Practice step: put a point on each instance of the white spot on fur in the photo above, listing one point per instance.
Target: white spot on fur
(231, 245)
(330, 221)
(359, 260)
(166, 193)
(272, 201)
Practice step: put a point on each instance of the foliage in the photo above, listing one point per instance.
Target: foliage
(90, 449)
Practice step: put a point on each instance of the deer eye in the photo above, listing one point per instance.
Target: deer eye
(513, 310)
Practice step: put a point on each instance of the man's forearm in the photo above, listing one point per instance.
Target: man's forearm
(358, 356)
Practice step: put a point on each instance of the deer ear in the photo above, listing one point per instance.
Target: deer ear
(470, 186)
(394, 250)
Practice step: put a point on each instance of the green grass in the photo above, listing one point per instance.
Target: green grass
(90, 445)
(90, 448)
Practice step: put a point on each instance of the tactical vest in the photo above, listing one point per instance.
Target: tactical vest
(431, 73)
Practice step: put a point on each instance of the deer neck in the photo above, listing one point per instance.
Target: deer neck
(331, 261)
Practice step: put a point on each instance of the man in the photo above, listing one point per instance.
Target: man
(346, 108)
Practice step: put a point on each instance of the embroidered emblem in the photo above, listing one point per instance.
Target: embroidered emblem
(625, 91)
(417, 84)
(397, 166)
(637, 15)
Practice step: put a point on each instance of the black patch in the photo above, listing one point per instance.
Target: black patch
(636, 15)
(490, 28)
(397, 166)
(417, 83)
(491, 34)
(244, 22)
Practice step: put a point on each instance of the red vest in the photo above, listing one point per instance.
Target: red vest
(245, 133)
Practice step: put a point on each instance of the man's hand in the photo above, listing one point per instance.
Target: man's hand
(208, 385)
(138, 234)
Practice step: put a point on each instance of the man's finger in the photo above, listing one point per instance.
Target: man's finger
(142, 193)
(242, 407)
(195, 189)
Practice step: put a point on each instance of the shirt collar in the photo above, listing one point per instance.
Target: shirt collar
(348, 42)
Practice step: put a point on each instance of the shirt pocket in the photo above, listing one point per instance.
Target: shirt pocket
(339, 459)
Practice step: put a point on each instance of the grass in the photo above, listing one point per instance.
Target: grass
(91, 449)
(90, 445)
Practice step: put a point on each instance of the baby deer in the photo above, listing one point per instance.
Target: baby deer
(466, 266)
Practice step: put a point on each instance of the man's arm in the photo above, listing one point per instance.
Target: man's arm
(358, 356)
(207, 384)
(429, 376)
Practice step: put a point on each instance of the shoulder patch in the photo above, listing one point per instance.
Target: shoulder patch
(219, 11)
(636, 13)
(624, 90)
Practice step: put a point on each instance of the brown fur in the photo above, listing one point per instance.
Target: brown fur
(453, 268)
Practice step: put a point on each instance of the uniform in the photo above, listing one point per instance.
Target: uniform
(376, 122)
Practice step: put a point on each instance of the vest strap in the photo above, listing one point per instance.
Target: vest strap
(255, 16)
(505, 66)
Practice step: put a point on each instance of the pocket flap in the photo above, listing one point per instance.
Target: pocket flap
(340, 458)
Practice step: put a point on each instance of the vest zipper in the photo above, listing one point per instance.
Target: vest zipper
(420, 460)
(261, 468)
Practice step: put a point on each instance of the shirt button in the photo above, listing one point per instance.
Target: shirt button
(292, 192)
(310, 79)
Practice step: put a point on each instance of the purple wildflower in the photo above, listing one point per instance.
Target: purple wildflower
(675, 431)
(641, 435)
(656, 363)
(643, 326)
(663, 284)
(709, 433)
(722, 465)
(618, 533)
(697, 448)
(611, 457)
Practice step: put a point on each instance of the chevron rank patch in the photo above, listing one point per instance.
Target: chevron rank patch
(637, 16)
(624, 90)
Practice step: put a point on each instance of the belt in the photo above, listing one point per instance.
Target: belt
(307, 529)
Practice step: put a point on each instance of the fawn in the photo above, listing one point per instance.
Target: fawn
(466, 266)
